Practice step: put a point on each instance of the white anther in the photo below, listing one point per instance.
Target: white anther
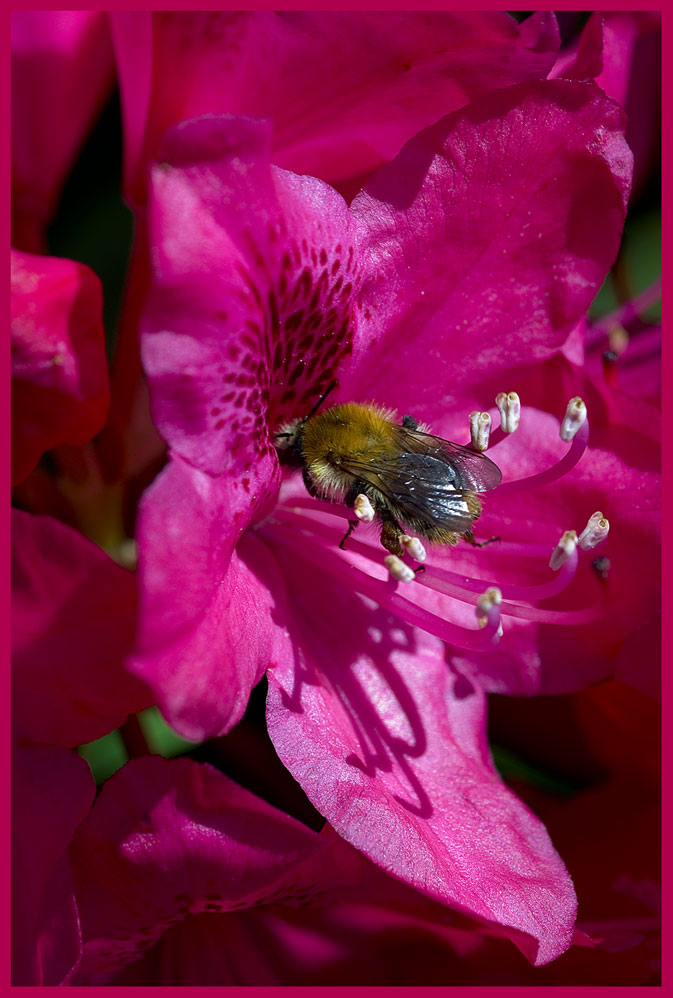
(563, 549)
(509, 407)
(488, 599)
(413, 547)
(576, 413)
(398, 569)
(595, 531)
(363, 509)
(480, 429)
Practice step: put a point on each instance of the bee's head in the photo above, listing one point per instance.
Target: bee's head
(287, 440)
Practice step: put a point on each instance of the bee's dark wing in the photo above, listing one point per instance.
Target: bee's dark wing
(418, 485)
(472, 470)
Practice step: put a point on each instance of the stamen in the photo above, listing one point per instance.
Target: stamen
(363, 509)
(579, 442)
(295, 525)
(441, 580)
(398, 570)
(413, 547)
(595, 532)
(576, 414)
(480, 429)
(462, 587)
(563, 550)
(297, 503)
(509, 407)
(488, 611)
(341, 568)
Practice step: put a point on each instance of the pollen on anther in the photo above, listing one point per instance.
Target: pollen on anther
(398, 570)
(489, 600)
(413, 547)
(576, 414)
(480, 429)
(363, 509)
(595, 531)
(509, 407)
(563, 550)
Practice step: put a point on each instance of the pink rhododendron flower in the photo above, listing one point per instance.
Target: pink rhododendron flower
(192, 843)
(406, 802)
(212, 374)
(274, 288)
(62, 72)
(203, 882)
(344, 89)
(60, 389)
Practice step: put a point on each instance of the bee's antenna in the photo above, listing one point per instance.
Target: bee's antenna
(322, 399)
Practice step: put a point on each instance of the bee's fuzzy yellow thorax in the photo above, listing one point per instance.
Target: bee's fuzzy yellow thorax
(359, 432)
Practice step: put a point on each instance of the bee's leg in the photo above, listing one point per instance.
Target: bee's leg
(409, 423)
(469, 537)
(397, 542)
(356, 489)
(352, 524)
(390, 534)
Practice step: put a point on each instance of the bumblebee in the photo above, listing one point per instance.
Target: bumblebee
(393, 472)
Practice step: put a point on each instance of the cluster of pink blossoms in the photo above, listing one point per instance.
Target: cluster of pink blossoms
(422, 208)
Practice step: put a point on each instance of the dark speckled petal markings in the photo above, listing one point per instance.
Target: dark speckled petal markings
(255, 304)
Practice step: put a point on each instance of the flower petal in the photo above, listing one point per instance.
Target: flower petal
(632, 76)
(344, 89)
(60, 390)
(167, 840)
(253, 301)
(208, 625)
(389, 744)
(490, 234)
(618, 474)
(73, 621)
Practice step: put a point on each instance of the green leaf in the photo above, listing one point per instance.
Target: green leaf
(512, 766)
(160, 737)
(105, 756)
